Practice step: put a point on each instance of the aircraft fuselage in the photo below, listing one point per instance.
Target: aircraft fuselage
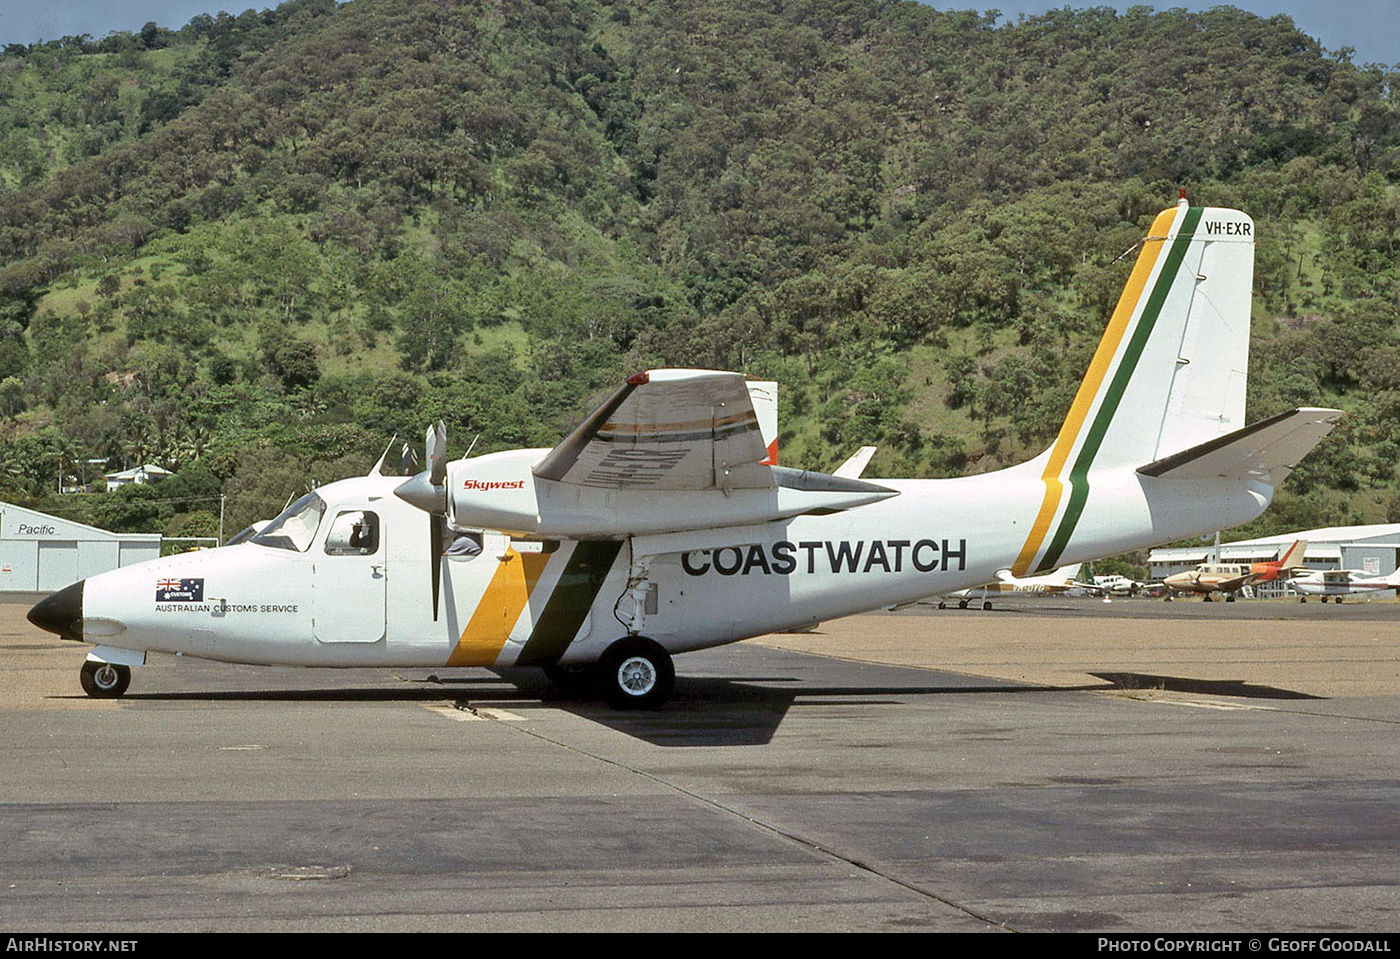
(520, 602)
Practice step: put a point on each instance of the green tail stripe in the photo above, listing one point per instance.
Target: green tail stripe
(568, 606)
(1078, 477)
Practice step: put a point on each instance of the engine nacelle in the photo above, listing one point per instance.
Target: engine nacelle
(495, 491)
(498, 491)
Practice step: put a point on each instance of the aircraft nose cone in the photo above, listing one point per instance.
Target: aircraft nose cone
(61, 612)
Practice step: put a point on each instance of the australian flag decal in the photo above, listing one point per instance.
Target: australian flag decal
(180, 590)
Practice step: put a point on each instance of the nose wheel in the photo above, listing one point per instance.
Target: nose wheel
(105, 680)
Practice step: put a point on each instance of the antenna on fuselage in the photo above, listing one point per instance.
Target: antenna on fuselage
(378, 468)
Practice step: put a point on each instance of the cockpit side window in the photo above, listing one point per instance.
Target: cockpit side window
(353, 533)
(295, 527)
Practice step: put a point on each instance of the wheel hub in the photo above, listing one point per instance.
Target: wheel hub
(637, 675)
(105, 677)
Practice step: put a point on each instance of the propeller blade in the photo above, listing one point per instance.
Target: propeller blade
(408, 461)
(435, 539)
(437, 453)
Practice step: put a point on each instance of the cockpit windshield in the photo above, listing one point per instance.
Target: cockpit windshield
(295, 526)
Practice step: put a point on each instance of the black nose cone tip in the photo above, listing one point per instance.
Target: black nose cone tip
(61, 612)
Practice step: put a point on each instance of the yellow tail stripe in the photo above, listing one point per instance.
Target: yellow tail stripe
(1089, 389)
(499, 609)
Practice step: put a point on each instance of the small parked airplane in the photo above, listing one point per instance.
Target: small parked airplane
(1115, 584)
(1230, 578)
(1056, 581)
(1336, 583)
(660, 525)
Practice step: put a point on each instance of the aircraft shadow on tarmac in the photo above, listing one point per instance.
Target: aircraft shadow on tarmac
(730, 710)
(1212, 687)
(741, 710)
(704, 711)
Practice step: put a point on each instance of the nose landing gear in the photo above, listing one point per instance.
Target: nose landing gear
(104, 680)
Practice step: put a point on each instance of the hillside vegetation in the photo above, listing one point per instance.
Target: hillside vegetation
(254, 248)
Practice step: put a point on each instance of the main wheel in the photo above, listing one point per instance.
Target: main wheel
(636, 673)
(105, 680)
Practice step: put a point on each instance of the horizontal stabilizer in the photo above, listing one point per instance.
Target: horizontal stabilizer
(1266, 451)
(856, 464)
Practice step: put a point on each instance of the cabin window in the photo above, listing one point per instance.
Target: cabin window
(295, 527)
(355, 533)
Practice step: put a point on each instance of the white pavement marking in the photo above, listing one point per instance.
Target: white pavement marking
(474, 714)
(452, 712)
(1209, 705)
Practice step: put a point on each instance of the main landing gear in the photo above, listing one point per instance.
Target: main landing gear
(634, 673)
(104, 680)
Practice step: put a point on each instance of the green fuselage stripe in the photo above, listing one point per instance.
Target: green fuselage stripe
(1079, 473)
(569, 603)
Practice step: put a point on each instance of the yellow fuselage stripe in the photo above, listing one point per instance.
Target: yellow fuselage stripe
(499, 609)
(1089, 389)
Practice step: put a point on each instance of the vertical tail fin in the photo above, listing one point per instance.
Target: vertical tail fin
(1293, 556)
(1169, 372)
(764, 396)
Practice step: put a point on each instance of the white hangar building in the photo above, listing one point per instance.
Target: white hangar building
(43, 553)
(1371, 549)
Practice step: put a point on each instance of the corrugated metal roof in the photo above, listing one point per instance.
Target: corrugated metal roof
(17, 519)
(1324, 544)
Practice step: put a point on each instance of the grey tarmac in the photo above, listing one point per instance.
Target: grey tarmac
(1046, 765)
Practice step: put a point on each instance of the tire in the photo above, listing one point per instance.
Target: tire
(104, 680)
(986, 604)
(636, 673)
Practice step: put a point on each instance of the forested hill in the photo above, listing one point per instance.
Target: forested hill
(255, 247)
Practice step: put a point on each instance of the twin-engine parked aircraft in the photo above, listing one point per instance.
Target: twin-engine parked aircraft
(1336, 583)
(1115, 584)
(1230, 578)
(656, 527)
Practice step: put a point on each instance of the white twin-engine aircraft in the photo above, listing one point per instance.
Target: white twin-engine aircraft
(658, 527)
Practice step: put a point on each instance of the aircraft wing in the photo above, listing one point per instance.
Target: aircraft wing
(1266, 451)
(667, 430)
